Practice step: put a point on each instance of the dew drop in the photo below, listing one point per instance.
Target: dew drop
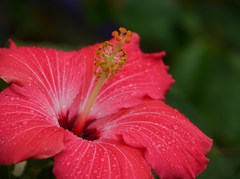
(175, 127)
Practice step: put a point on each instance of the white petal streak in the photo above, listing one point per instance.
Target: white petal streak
(48, 89)
(51, 74)
(56, 73)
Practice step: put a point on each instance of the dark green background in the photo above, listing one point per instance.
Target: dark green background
(201, 38)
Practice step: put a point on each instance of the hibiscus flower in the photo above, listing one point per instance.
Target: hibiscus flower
(99, 111)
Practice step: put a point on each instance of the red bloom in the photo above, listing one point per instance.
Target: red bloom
(128, 131)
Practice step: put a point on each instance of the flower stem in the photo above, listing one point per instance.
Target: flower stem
(80, 123)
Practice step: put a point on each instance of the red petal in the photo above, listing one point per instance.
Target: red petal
(99, 159)
(28, 126)
(175, 148)
(144, 74)
(54, 72)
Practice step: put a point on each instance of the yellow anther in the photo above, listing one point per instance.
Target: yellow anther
(111, 58)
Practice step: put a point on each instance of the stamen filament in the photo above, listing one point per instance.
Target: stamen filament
(79, 125)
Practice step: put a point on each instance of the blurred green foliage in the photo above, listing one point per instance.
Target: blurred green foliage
(201, 38)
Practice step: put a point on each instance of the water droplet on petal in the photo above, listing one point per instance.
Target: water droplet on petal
(175, 127)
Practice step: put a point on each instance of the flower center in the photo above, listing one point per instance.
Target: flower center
(109, 60)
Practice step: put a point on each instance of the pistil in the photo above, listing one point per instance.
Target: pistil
(109, 60)
(79, 125)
